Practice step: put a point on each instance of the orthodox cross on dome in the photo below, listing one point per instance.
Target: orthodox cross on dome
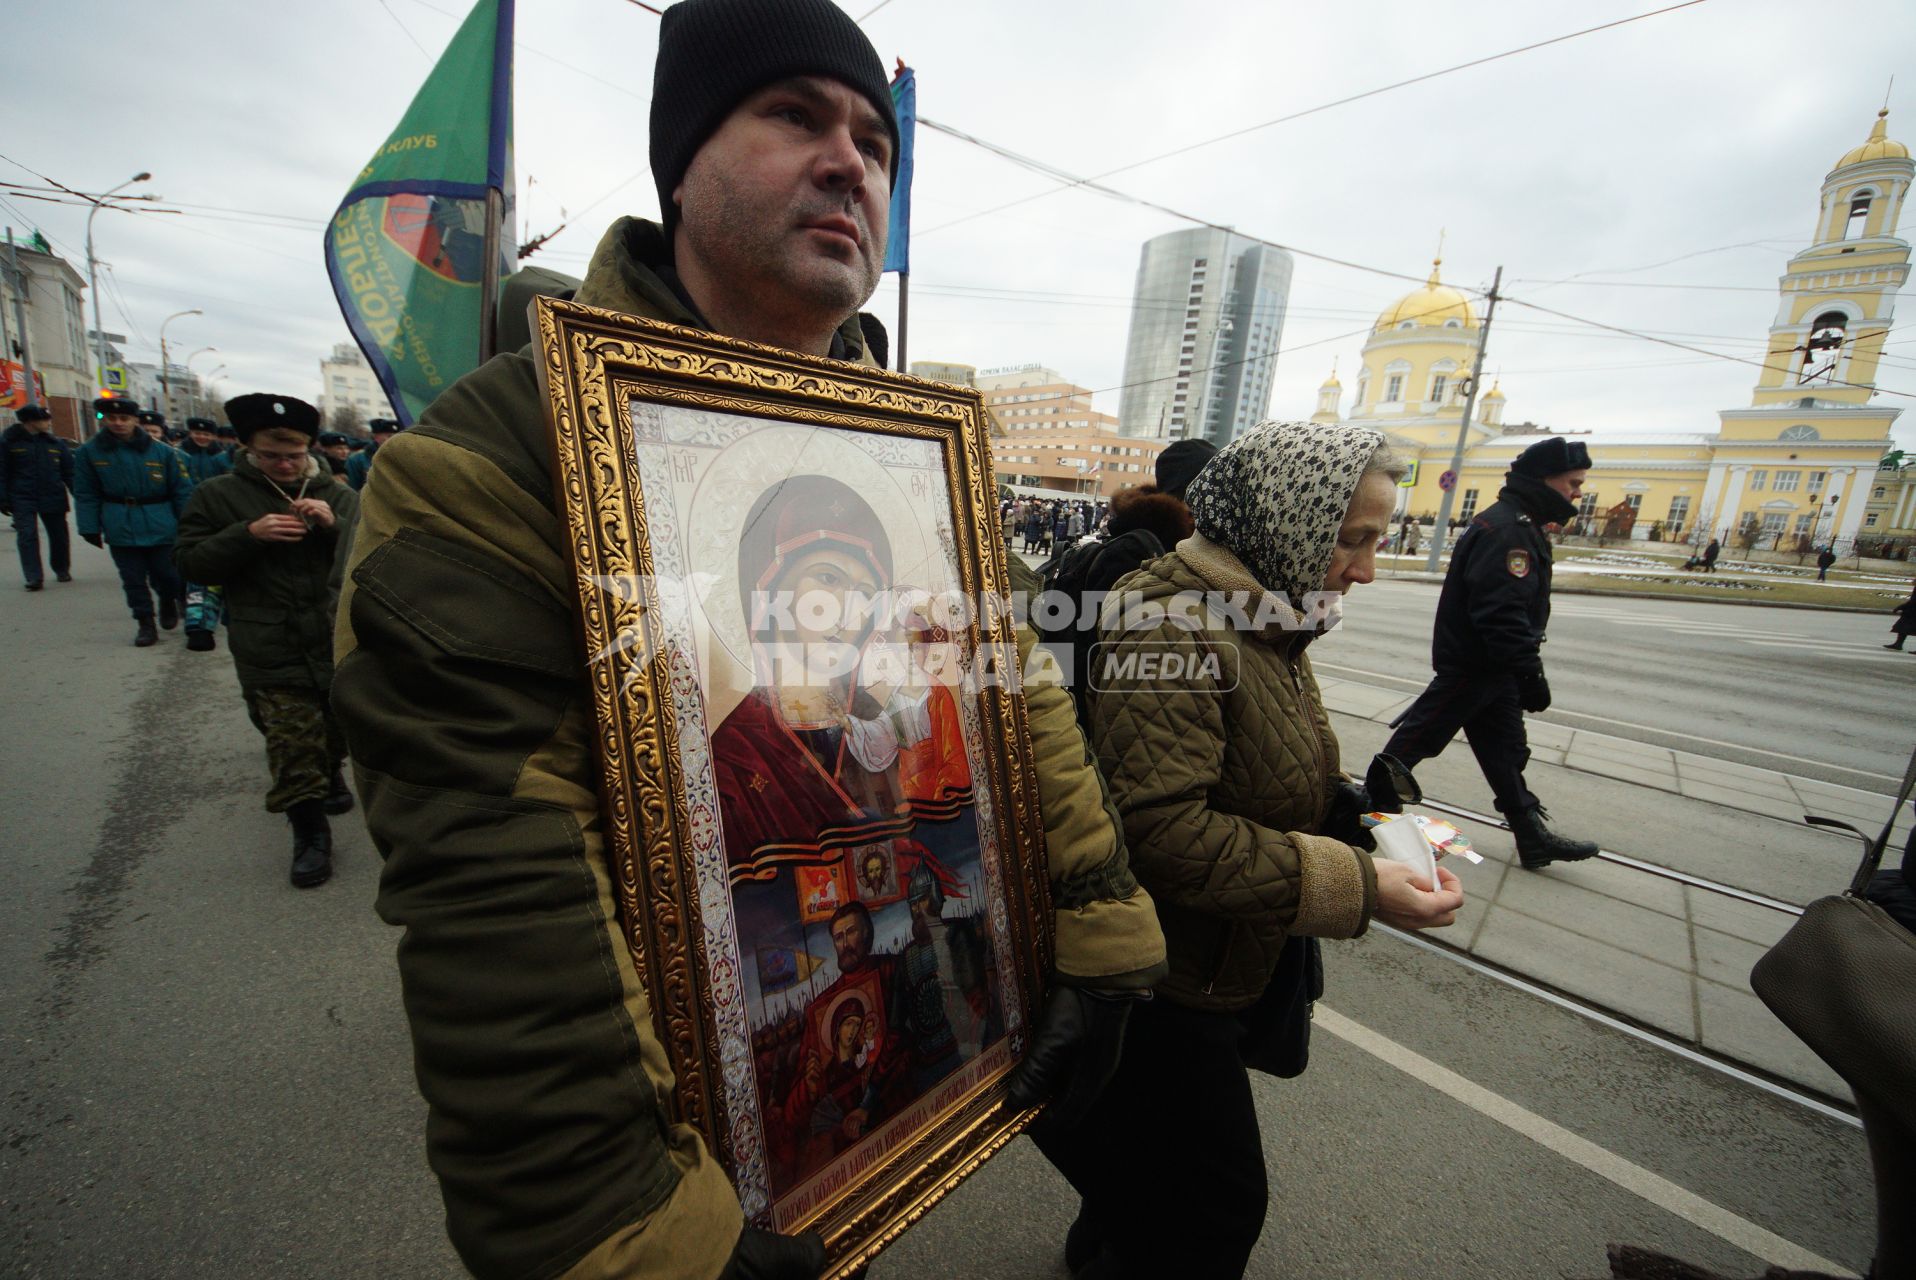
(1436, 263)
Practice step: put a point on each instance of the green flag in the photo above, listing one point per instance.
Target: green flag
(408, 249)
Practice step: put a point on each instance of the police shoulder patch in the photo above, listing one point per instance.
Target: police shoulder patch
(1518, 562)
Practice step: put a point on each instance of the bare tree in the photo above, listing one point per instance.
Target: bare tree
(345, 418)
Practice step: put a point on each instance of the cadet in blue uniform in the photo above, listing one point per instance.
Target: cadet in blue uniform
(205, 458)
(229, 441)
(335, 450)
(128, 492)
(1487, 645)
(36, 471)
(360, 465)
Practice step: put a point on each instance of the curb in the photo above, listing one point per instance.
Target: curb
(1559, 588)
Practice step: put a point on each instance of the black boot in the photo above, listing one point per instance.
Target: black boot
(340, 798)
(312, 844)
(169, 614)
(1538, 846)
(200, 641)
(1081, 1244)
(146, 636)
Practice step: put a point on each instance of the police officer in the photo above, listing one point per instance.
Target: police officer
(1486, 646)
(36, 471)
(360, 465)
(336, 447)
(153, 422)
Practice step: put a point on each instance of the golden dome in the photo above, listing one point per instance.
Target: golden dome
(1434, 306)
(1332, 380)
(1877, 146)
(1495, 392)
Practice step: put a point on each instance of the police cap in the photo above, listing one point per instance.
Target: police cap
(382, 426)
(259, 411)
(116, 404)
(152, 417)
(201, 424)
(330, 438)
(228, 432)
(1552, 457)
(34, 413)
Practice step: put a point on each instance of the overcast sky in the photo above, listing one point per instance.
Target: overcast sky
(1685, 150)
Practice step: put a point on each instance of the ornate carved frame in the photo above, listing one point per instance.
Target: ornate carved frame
(592, 365)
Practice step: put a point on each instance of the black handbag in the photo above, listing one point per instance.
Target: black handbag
(1277, 1029)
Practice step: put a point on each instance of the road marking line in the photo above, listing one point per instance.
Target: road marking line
(1606, 1164)
(1668, 733)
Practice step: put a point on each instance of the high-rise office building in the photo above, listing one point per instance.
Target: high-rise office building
(1206, 317)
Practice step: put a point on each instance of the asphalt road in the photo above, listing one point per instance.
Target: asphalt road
(207, 1072)
(1809, 692)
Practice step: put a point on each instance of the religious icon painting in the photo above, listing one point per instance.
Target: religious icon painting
(815, 767)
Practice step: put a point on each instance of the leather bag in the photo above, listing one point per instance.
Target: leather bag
(1844, 980)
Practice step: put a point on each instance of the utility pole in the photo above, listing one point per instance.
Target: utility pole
(20, 287)
(1442, 526)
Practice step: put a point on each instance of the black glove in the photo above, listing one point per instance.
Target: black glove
(766, 1255)
(1073, 1055)
(1533, 692)
(92, 538)
(1343, 818)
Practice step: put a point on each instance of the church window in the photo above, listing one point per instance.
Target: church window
(1470, 505)
(1453, 323)
(1757, 480)
(1635, 502)
(1869, 520)
(1406, 324)
(1823, 348)
(1439, 383)
(1394, 388)
(1587, 507)
(1786, 481)
(1773, 524)
(1679, 513)
(1858, 215)
(1363, 387)
(1818, 481)
(1802, 431)
(1876, 494)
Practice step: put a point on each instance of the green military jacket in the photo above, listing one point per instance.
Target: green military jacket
(280, 596)
(1222, 767)
(463, 691)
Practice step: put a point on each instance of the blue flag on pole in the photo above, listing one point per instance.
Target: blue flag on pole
(904, 100)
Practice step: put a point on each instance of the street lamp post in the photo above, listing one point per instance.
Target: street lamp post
(199, 395)
(166, 386)
(92, 275)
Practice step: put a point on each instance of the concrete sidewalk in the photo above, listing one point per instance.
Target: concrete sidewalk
(1667, 955)
(1768, 792)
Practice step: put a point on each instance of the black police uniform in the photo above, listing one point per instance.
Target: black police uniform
(1487, 649)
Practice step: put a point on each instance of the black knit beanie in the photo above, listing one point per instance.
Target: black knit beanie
(714, 53)
(1180, 463)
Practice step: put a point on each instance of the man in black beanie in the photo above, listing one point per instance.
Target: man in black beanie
(463, 693)
(1487, 646)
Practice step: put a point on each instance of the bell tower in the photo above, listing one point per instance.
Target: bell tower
(1799, 461)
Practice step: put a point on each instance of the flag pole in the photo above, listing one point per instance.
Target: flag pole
(904, 315)
(489, 278)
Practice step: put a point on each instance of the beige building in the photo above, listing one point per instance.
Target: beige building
(346, 383)
(50, 294)
(1797, 465)
(1053, 440)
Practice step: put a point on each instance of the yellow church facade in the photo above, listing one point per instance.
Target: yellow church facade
(1798, 462)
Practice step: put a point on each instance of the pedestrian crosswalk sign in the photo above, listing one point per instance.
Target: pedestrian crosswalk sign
(1410, 477)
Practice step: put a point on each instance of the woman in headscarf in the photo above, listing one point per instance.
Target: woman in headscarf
(1222, 765)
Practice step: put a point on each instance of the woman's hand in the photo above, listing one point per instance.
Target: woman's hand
(1405, 899)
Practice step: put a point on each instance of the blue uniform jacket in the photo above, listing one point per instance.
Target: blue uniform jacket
(204, 464)
(130, 492)
(36, 470)
(359, 466)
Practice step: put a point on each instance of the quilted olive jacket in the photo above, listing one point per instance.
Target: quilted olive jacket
(1221, 774)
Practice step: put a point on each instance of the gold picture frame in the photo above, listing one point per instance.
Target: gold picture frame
(792, 596)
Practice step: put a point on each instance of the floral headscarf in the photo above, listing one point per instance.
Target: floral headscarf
(1277, 495)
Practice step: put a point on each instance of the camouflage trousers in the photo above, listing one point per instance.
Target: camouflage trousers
(304, 744)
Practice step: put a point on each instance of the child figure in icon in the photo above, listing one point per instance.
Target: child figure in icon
(847, 810)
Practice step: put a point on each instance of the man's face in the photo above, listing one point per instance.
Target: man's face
(281, 455)
(791, 196)
(1569, 483)
(337, 452)
(204, 439)
(37, 426)
(154, 429)
(852, 939)
(122, 425)
(381, 437)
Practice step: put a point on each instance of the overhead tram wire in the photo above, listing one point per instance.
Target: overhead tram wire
(1091, 182)
(1684, 346)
